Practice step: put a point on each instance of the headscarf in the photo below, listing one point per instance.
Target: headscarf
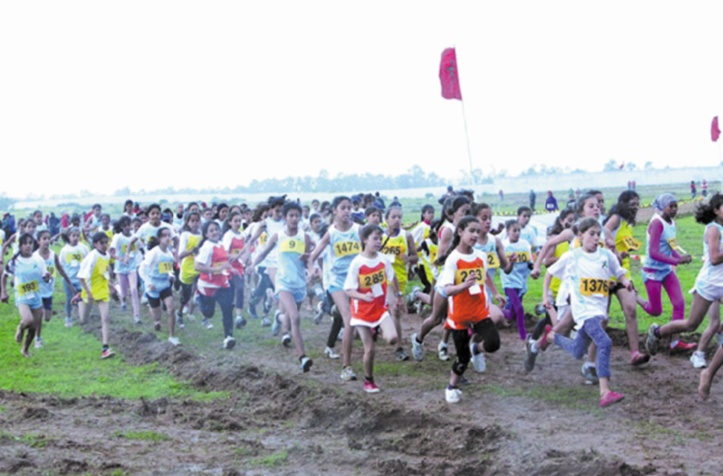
(663, 200)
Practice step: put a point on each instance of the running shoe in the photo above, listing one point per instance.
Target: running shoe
(589, 373)
(610, 398)
(252, 311)
(452, 395)
(340, 336)
(319, 314)
(530, 356)
(240, 322)
(329, 352)
(174, 341)
(157, 326)
(417, 348)
(107, 353)
(229, 343)
(401, 355)
(179, 320)
(347, 374)
(38, 343)
(137, 320)
(698, 360)
(540, 310)
(652, 342)
(276, 324)
(681, 346)
(286, 340)
(412, 299)
(442, 352)
(265, 322)
(123, 306)
(306, 364)
(478, 360)
(68, 322)
(370, 387)
(206, 323)
(638, 358)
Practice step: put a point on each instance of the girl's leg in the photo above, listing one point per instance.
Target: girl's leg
(439, 311)
(156, 315)
(389, 331)
(342, 304)
(710, 331)
(336, 325)
(291, 310)
(238, 294)
(123, 282)
(575, 347)
(224, 298)
(513, 298)
(566, 322)
(365, 333)
(698, 310)
(103, 309)
(628, 305)
(464, 355)
(84, 310)
(69, 294)
(171, 318)
(27, 322)
(706, 376)
(133, 288)
(675, 293)
(654, 304)
(397, 315)
(486, 336)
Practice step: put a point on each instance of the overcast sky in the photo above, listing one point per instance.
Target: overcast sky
(101, 95)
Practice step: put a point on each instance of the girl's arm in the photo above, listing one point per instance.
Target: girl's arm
(610, 226)
(84, 285)
(317, 251)
(546, 291)
(257, 232)
(655, 230)
(61, 270)
(712, 237)
(269, 246)
(454, 289)
(3, 288)
(9, 242)
(354, 294)
(444, 241)
(565, 235)
(504, 262)
(412, 256)
(491, 286)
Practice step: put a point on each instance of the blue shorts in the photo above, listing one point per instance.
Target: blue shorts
(299, 293)
(35, 302)
(333, 289)
(441, 291)
(48, 303)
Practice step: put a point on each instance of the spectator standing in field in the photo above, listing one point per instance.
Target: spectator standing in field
(533, 197)
(693, 191)
(551, 203)
(704, 188)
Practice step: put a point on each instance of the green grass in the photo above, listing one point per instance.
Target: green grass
(271, 461)
(142, 435)
(575, 397)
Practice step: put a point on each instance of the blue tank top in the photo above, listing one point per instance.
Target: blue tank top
(291, 273)
(345, 245)
(667, 243)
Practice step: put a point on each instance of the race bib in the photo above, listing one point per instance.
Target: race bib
(631, 243)
(73, 258)
(165, 267)
(51, 270)
(234, 252)
(346, 248)
(673, 243)
(461, 275)
(368, 281)
(28, 289)
(522, 256)
(292, 246)
(392, 250)
(262, 238)
(493, 261)
(594, 287)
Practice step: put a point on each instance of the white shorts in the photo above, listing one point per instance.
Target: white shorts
(708, 291)
(360, 322)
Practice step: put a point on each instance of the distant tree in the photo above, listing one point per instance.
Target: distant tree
(631, 166)
(610, 166)
(648, 165)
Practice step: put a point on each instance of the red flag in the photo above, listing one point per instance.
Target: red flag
(449, 75)
(714, 130)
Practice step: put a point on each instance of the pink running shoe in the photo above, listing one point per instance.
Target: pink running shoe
(610, 398)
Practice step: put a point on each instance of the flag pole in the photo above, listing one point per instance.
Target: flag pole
(469, 150)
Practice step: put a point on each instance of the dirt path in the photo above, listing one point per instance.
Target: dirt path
(280, 421)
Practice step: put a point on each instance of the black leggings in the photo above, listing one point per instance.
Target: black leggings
(336, 325)
(423, 278)
(490, 339)
(187, 292)
(224, 298)
(264, 284)
(237, 282)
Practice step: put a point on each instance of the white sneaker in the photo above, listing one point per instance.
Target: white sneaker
(38, 343)
(417, 348)
(478, 360)
(452, 395)
(286, 340)
(68, 322)
(347, 374)
(698, 360)
(207, 324)
(229, 343)
(276, 324)
(329, 352)
(174, 341)
(442, 352)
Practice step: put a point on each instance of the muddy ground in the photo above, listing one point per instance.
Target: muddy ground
(280, 421)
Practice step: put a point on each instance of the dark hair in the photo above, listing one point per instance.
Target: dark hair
(389, 210)
(219, 207)
(227, 222)
(587, 223)
(523, 209)
(98, 237)
(120, 223)
(367, 230)
(24, 238)
(65, 236)
(478, 207)
(510, 223)
(204, 230)
(190, 204)
(461, 226)
(434, 230)
(452, 204)
(372, 209)
(705, 212)
(151, 207)
(42, 232)
(622, 207)
(580, 204)
(127, 202)
(337, 200)
(276, 201)
(288, 206)
(425, 208)
(260, 209)
(557, 227)
(155, 240)
(187, 217)
(314, 216)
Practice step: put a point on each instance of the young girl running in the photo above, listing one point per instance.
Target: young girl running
(514, 281)
(661, 257)
(293, 250)
(619, 239)
(589, 269)
(455, 208)
(214, 287)
(496, 258)
(71, 255)
(187, 247)
(233, 241)
(28, 272)
(124, 249)
(398, 246)
(367, 285)
(343, 237)
(93, 277)
(708, 287)
(157, 272)
(463, 278)
(52, 264)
